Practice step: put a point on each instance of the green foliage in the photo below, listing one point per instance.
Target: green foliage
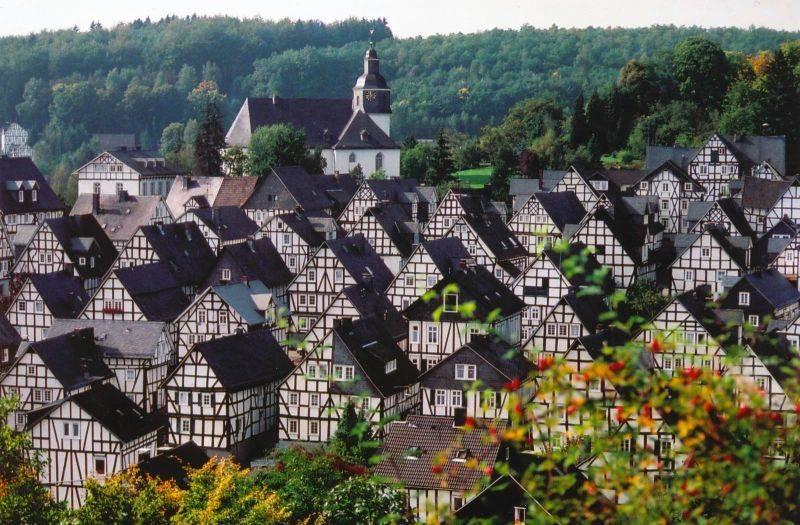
(644, 299)
(353, 439)
(172, 139)
(416, 162)
(234, 160)
(365, 501)
(210, 138)
(701, 71)
(277, 145)
(441, 160)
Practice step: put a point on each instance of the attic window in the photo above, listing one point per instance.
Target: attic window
(34, 195)
(643, 186)
(744, 298)
(21, 195)
(462, 455)
(451, 302)
(687, 186)
(391, 366)
(413, 453)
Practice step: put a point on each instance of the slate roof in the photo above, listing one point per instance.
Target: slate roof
(770, 245)
(375, 305)
(111, 408)
(373, 346)
(432, 439)
(73, 358)
(361, 261)
(563, 207)
(245, 360)
(755, 149)
(762, 193)
(361, 132)
(655, 156)
(622, 177)
(678, 171)
(234, 191)
(776, 289)
(62, 293)
(116, 338)
(321, 119)
(185, 188)
(184, 248)
(588, 308)
(447, 253)
(310, 192)
(258, 260)
(498, 238)
(8, 334)
(147, 163)
(229, 223)
(21, 170)
(174, 464)
(393, 190)
(302, 226)
(119, 216)
(76, 234)
(155, 290)
(475, 283)
(551, 178)
(242, 298)
(733, 209)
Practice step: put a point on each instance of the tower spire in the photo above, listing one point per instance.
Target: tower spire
(371, 39)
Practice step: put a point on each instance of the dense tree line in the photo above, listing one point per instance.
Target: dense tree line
(65, 86)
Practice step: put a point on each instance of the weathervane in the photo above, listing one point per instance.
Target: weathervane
(371, 43)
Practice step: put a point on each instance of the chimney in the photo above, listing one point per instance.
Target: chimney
(274, 99)
(95, 203)
(246, 281)
(459, 417)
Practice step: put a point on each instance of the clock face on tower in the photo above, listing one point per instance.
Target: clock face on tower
(370, 96)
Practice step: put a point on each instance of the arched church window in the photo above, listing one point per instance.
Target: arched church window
(378, 161)
(352, 157)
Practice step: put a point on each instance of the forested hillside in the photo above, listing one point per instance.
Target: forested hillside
(66, 85)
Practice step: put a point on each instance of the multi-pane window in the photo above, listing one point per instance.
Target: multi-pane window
(456, 398)
(313, 428)
(744, 298)
(441, 398)
(466, 372)
(205, 399)
(433, 334)
(71, 430)
(294, 399)
(314, 400)
(451, 302)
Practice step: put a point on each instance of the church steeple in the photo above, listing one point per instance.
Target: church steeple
(371, 94)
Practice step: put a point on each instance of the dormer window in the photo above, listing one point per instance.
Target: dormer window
(466, 372)
(82, 261)
(391, 366)
(744, 298)
(226, 274)
(34, 195)
(520, 515)
(462, 455)
(643, 186)
(413, 453)
(21, 195)
(451, 302)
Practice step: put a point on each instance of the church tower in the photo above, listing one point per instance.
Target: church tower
(371, 94)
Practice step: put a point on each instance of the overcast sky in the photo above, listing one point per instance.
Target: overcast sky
(415, 17)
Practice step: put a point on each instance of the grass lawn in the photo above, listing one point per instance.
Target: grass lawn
(475, 177)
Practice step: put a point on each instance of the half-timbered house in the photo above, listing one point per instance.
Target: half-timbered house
(464, 301)
(139, 353)
(92, 434)
(189, 192)
(492, 244)
(9, 343)
(358, 363)
(418, 201)
(726, 213)
(573, 181)
(223, 394)
(120, 215)
(458, 202)
(572, 317)
(27, 200)
(43, 298)
(542, 218)
(52, 369)
(135, 171)
(706, 258)
(427, 265)
(779, 249)
(767, 202)
(391, 232)
(412, 448)
(476, 380)
(222, 226)
(762, 296)
(297, 236)
(254, 260)
(339, 263)
(675, 190)
(76, 242)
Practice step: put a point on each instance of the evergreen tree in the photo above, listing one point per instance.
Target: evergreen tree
(504, 164)
(578, 131)
(442, 159)
(529, 165)
(597, 122)
(209, 142)
(353, 437)
(781, 97)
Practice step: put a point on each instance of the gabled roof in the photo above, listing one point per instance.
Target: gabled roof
(302, 225)
(361, 261)
(397, 224)
(475, 283)
(588, 308)
(182, 247)
(116, 338)
(563, 207)
(755, 149)
(229, 223)
(154, 289)
(770, 245)
(310, 192)
(551, 178)
(361, 132)
(258, 260)
(321, 119)
(79, 235)
(656, 156)
(112, 409)
(73, 358)
(373, 346)
(61, 292)
(498, 238)
(185, 188)
(119, 215)
(770, 284)
(21, 173)
(375, 305)
(763, 193)
(447, 253)
(234, 191)
(677, 170)
(412, 447)
(147, 163)
(244, 360)
(8, 334)
(395, 190)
